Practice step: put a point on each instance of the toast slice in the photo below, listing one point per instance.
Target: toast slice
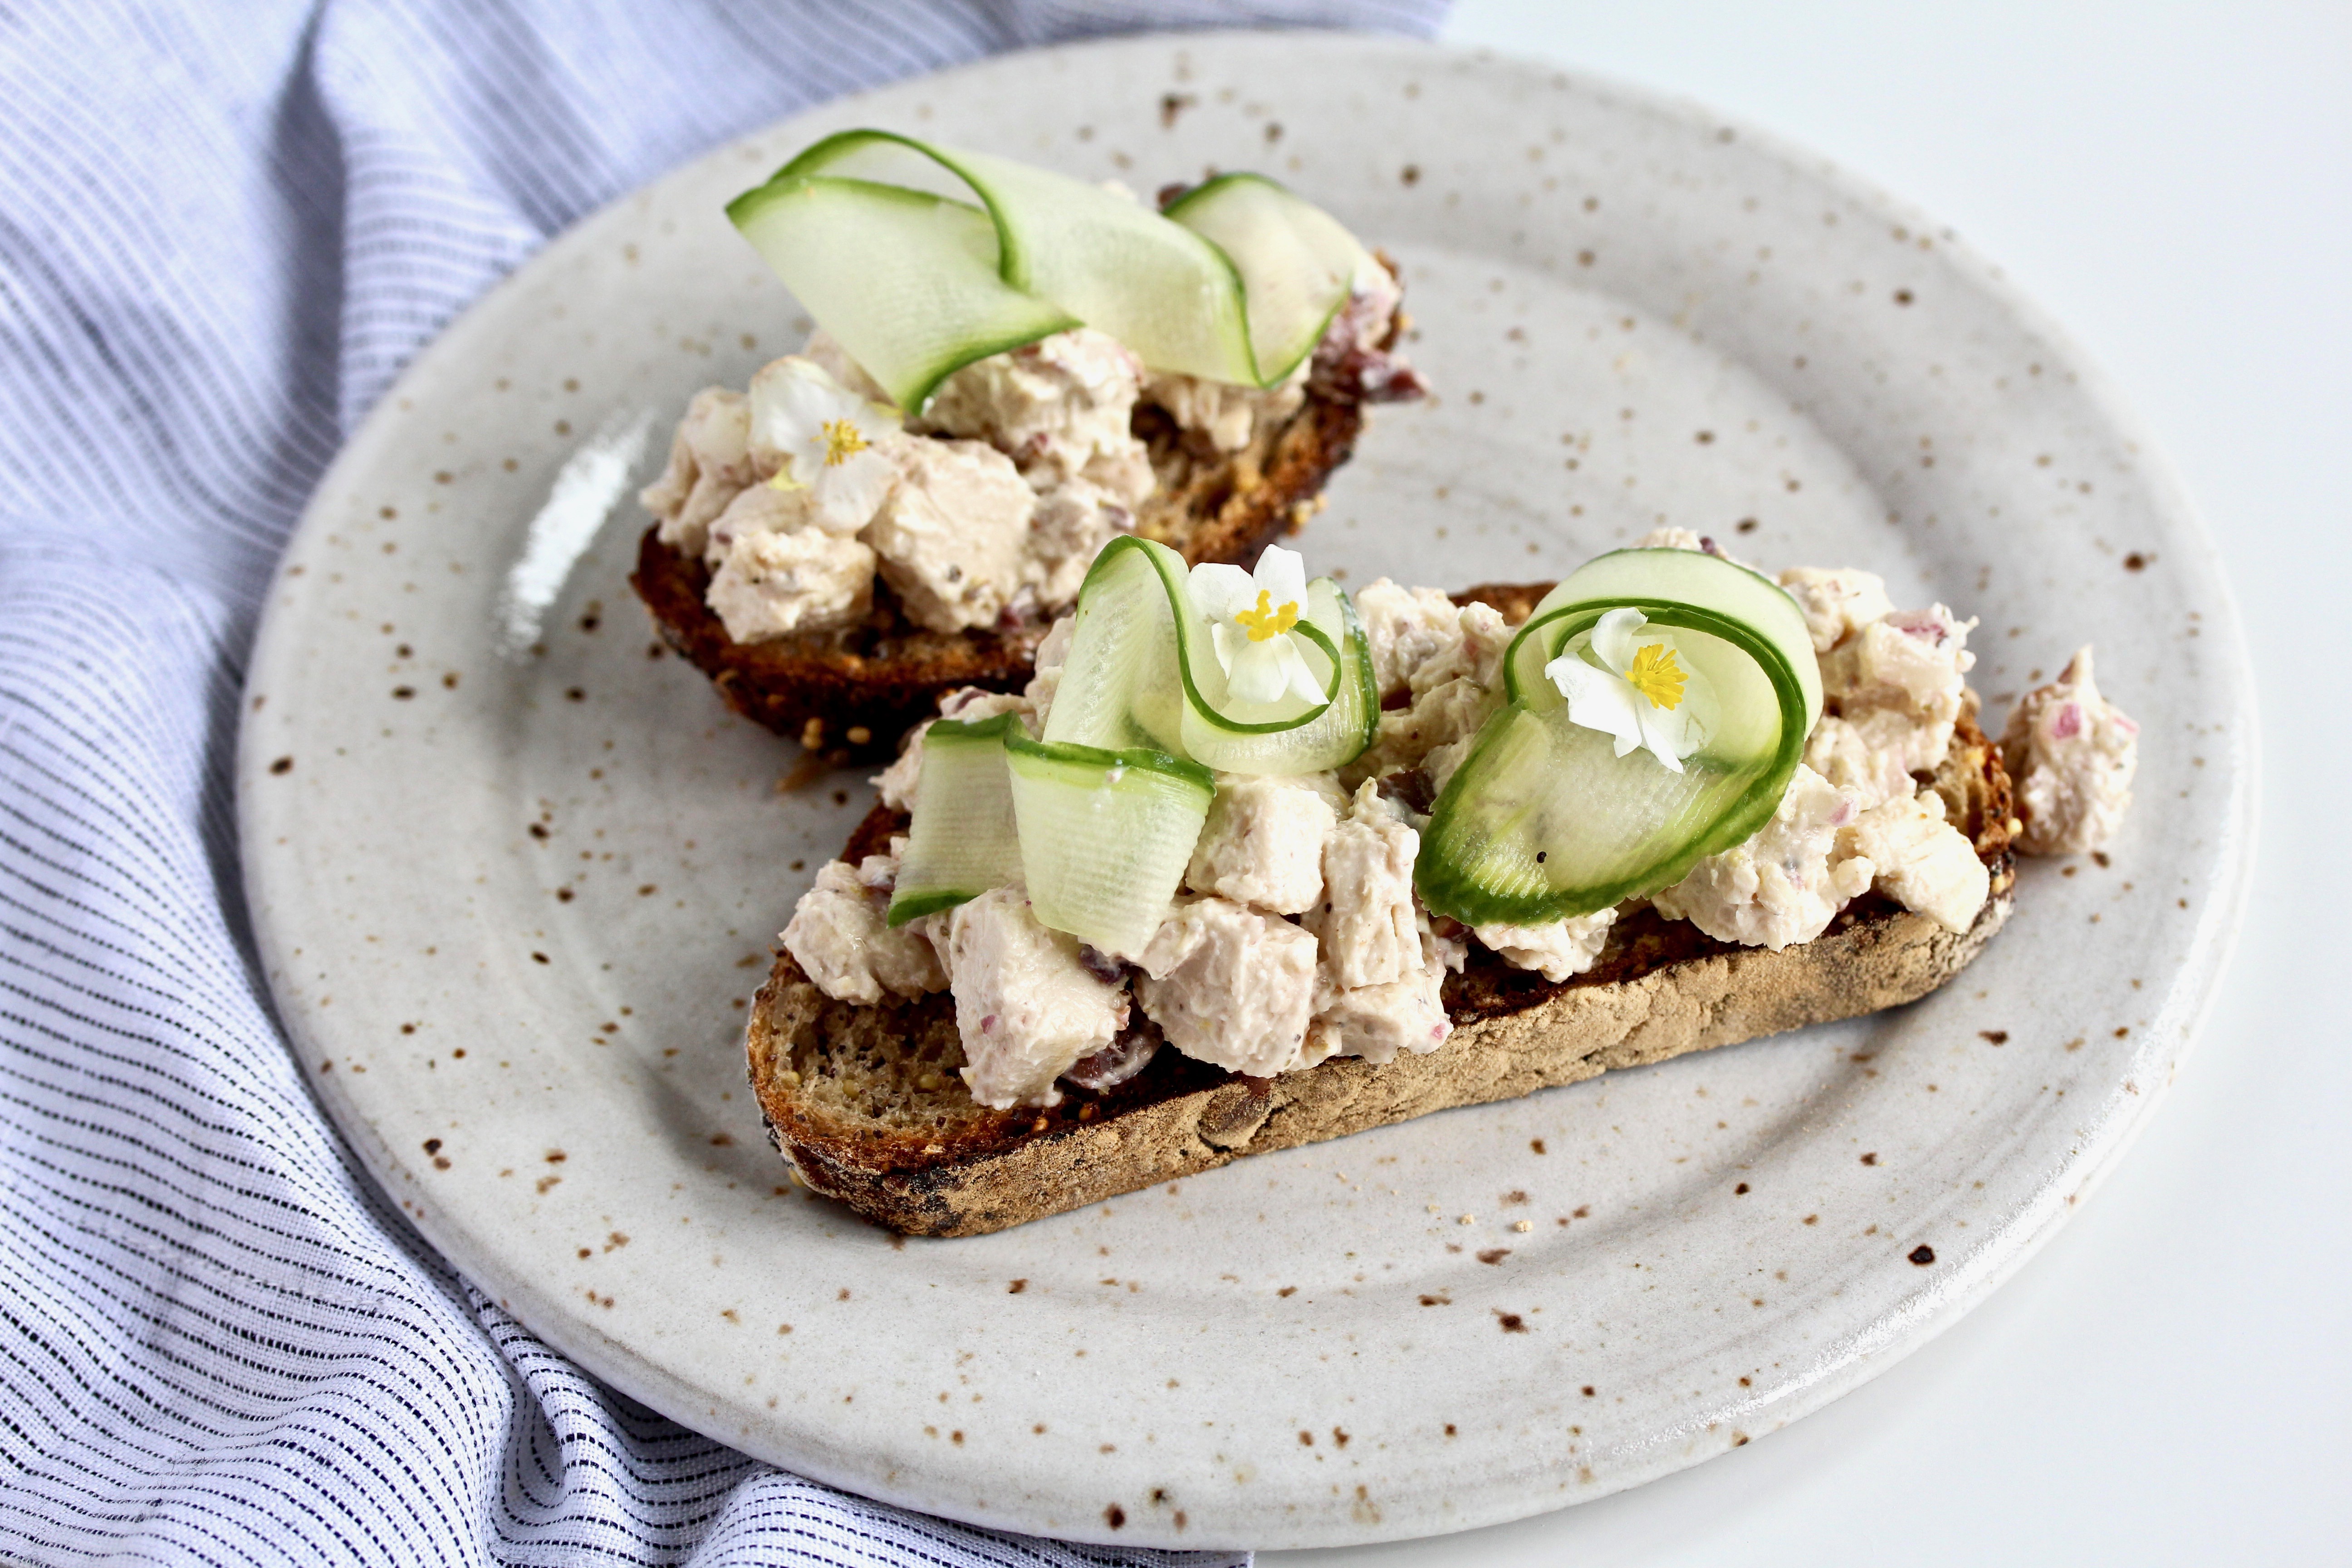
(865, 1103)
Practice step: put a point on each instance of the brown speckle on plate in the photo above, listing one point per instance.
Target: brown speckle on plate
(1923, 1254)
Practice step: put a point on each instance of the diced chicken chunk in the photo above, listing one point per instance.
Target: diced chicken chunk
(1780, 885)
(1851, 757)
(1404, 628)
(773, 584)
(902, 780)
(1027, 1007)
(1474, 653)
(1900, 680)
(1439, 717)
(1072, 523)
(756, 509)
(842, 940)
(1376, 1022)
(1059, 408)
(1262, 842)
(2073, 754)
(1229, 986)
(950, 536)
(1837, 602)
(1920, 860)
(1558, 949)
(1366, 924)
(1223, 417)
(709, 464)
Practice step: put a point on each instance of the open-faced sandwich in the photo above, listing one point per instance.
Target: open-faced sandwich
(1011, 368)
(1251, 864)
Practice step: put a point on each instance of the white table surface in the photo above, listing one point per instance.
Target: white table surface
(2170, 1379)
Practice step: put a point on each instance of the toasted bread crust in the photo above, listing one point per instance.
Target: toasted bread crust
(951, 1167)
(887, 673)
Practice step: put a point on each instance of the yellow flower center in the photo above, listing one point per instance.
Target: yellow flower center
(842, 442)
(1657, 676)
(1265, 621)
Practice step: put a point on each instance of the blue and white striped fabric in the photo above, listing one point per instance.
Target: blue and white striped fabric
(223, 229)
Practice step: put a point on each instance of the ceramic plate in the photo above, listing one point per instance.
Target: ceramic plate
(516, 875)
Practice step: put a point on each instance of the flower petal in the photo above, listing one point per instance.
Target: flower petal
(1662, 731)
(1219, 591)
(791, 398)
(1225, 638)
(848, 493)
(1255, 671)
(1597, 700)
(1282, 574)
(1614, 638)
(1299, 678)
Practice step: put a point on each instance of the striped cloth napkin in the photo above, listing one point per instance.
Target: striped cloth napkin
(223, 230)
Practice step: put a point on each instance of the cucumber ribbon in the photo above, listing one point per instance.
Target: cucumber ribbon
(1100, 816)
(1235, 281)
(1546, 818)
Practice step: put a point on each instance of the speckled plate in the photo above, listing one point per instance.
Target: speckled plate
(516, 875)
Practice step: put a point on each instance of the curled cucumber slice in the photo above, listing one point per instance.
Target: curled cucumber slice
(908, 281)
(1298, 264)
(922, 259)
(964, 840)
(1142, 672)
(1545, 820)
(1105, 835)
(1102, 837)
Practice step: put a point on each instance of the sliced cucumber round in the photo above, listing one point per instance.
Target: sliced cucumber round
(1235, 285)
(1545, 820)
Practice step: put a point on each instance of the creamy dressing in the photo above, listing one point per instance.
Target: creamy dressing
(2073, 754)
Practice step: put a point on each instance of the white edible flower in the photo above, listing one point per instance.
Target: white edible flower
(1635, 693)
(828, 436)
(1251, 619)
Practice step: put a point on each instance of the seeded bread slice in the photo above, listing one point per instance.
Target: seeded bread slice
(865, 1103)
